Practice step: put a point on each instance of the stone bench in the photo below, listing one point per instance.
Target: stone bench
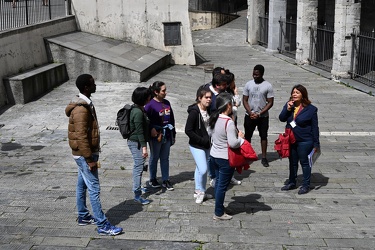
(30, 85)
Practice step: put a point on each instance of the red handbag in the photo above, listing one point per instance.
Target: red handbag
(282, 144)
(242, 156)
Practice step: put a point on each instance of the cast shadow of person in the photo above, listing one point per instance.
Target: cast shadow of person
(175, 179)
(248, 204)
(317, 181)
(123, 211)
(271, 156)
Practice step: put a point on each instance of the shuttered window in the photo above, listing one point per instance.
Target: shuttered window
(172, 34)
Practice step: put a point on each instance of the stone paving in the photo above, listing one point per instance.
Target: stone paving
(38, 174)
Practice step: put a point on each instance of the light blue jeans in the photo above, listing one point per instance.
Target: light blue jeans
(89, 180)
(159, 151)
(139, 161)
(201, 160)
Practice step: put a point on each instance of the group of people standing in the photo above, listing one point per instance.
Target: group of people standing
(211, 127)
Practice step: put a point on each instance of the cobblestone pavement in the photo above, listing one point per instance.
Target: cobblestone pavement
(38, 174)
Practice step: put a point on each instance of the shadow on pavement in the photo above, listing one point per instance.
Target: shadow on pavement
(247, 204)
(122, 211)
(318, 180)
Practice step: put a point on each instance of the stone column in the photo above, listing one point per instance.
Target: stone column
(307, 15)
(255, 9)
(277, 9)
(347, 18)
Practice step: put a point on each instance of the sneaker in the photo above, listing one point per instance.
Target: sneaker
(88, 220)
(234, 181)
(303, 190)
(206, 196)
(141, 200)
(212, 182)
(144, 190)
(289, 186)
(265, 162)
(167, 184)
(223, 217)
(154, 183)
(200, 198)
(108, 229)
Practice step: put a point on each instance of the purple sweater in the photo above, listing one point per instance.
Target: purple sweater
(160, 114)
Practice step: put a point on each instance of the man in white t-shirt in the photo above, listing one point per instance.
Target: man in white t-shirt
(257, 100)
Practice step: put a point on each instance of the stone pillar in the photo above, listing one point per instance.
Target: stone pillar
(307, 15)
(255, 9)
(277, 9)
(347, 18)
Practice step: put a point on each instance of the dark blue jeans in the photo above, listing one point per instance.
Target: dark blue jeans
(299, 152)
(224, 174)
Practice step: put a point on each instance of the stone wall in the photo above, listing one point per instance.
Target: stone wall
(139, 22)
(23, 48)
(208, 20)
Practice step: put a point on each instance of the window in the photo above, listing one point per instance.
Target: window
(172, 34)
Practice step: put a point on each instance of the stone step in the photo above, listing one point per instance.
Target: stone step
(29, 85)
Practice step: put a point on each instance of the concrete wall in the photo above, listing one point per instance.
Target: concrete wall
(208, 20)
(23, 48)
(139, 22)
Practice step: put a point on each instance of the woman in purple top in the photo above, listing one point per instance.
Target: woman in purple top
(163, 133)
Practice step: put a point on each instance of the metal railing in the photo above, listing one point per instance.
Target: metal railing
(288, 37)
(362, 66)
(19, 13)
(263, 30)
(321, 46)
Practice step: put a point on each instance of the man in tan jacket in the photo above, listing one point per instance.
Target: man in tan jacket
(84, 140)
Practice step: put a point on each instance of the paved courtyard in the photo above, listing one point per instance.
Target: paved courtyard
(38, 174)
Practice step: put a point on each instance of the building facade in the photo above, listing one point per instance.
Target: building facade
(334, 35)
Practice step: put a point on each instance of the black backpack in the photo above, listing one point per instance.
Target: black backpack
(123, 121)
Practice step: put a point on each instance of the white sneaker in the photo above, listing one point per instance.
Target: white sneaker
(206, 196)
(212, 182)
(200, 198)
(233, 181)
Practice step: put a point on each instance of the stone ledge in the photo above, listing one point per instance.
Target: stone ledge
(28, 86)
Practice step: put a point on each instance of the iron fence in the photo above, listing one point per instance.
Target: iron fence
(288, 37)
(19, 13)
(362, 66)
(321, 46)
(263, 30)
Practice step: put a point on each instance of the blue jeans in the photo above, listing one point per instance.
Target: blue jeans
(160, 151)
(299, 152)
(224, 174)
(139, 161)
(201, 160)
(89, 180)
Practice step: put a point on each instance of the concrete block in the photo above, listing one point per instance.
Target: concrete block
(27, 86)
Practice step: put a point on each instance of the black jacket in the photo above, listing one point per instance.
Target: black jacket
(195, 129)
